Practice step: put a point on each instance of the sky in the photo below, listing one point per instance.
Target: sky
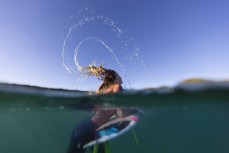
(150, 43)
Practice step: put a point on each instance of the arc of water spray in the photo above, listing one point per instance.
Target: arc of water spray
(81, 68)
(107, 21)
(101, 42)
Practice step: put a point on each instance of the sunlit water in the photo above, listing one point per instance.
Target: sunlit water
(36, 120)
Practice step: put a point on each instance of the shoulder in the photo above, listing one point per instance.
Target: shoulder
(117, 87)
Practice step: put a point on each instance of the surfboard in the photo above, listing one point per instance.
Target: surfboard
(113, 129)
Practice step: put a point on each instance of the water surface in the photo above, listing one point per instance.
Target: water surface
(37, 120)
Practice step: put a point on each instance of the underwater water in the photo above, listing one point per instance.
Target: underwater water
(37, 120)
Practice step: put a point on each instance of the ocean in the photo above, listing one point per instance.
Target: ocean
(173, 120)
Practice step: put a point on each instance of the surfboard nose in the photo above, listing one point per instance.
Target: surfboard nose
(134, 118)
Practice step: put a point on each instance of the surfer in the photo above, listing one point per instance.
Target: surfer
(111, 79)
(85, 131)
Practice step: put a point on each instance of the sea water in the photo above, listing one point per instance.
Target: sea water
(37, 120)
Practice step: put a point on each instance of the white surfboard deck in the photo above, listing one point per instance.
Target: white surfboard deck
(131, 121)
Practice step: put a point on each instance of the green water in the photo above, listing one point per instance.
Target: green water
(177, 122)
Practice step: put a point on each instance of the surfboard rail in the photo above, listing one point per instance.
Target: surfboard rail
(112, 131)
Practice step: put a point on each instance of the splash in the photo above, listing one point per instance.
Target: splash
(127, 53)
(111, 51)
(85, 20)
(100, 42)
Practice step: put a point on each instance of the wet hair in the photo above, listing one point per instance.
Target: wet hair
(108, 79)
(107, 75)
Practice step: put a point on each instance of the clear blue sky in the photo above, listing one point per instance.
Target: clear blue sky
(176, 39)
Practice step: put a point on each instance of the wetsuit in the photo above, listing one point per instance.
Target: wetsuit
(85, 131)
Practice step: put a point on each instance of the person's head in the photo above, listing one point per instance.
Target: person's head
(110, 76)
(107, 75)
